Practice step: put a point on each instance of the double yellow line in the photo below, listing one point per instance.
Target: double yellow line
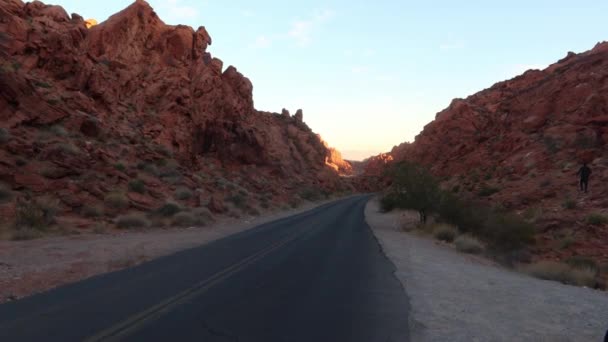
(137, 321)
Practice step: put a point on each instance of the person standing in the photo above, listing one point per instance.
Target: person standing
(584, 172)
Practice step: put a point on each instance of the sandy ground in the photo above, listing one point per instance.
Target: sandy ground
(458, 297)
(28, 267)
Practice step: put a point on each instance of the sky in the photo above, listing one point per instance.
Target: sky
(370, 74)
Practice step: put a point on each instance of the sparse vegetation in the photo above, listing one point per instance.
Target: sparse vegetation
(468, 244)
(137, 185)
(120, 166)
(184, 219)
(92, 211)
(566, 242)
(5, 136)
(5, 193)
(582, 262)
(445, 232)
(183, 193)
(68, 148)
(310, 194)
(116, 200)
(487, 191)
(58, 130)
(239, 201)
(36, 213)
(150, 168)
(169, 209)
(23, 234)
(569, 204)
(564, 273)
(132, 221)
(597, 219)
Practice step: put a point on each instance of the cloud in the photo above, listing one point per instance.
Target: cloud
(262, 42)
(302, 30)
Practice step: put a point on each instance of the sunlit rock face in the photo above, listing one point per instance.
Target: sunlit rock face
(78, 99)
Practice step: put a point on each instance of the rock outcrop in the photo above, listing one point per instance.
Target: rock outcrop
(519, 145)
(89, 110)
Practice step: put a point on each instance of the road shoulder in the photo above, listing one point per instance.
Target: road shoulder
(456, 297)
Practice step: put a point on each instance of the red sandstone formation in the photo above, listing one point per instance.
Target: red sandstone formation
(525, 139)
(86, 112)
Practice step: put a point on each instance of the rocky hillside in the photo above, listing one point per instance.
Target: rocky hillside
(519, 145)
(97, 121)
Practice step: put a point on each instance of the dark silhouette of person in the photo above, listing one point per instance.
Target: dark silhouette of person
(584, 172)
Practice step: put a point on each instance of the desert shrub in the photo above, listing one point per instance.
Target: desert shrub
(456, 189)
(183, 193)
(203, 213)
(58, 130)
(120, 166)
(92, 211)
(36, 213)
(132, 221)
(169, 209)
(137, 185)
(116, 200)
(597, 219)
(388, 202)
(310, 194)
(445, 232)
(184, 219)
(413, 188)
(551, 145)
(468, 244)
(551, 270)
(68, 148)
(569, 204)
(582, 263)
(487, 191)
(566, 242)
(150, 168)
(5, 193)
(23, 234)
(507, 232)
(5, 136)
(238, 200)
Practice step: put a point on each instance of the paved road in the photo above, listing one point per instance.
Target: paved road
(316, 276)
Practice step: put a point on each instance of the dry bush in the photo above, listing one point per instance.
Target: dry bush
(169, 209)
(468, 244)
(445, 232)
(116, 200)
(92, 211)
(183, 193)
(36, 213)
(5, 193)
(564, 273)
(5, 136)
(132, 221)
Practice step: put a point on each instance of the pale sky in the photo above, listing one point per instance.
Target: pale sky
(370, 74)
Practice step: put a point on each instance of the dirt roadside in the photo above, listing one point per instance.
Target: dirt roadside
(29, 267)
(458, 297)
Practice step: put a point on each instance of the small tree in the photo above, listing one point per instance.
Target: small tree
(415, 188)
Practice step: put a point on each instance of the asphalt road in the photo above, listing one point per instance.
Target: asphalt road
(316, 276)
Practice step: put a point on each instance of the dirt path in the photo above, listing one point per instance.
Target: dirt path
(457, 297)
(28, 267)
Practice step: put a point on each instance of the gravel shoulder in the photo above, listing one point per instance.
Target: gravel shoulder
(459, 297)
(29, 267)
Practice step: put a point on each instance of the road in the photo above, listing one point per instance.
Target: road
(315, 276)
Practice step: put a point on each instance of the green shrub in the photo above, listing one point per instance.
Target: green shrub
(183, 193)
(310, 194)
(58, 130)
(120, 166)
(92, 211)
(5, 193)
(487, 191)
(551, 270)
(569, 204)
(238, 201)
(150, 168)
(507, 232)
(445, 232)
(132, 221)
(184, 219)
(566, 242)
(23, 234)
(36, 213)
(68, 148)
(597, 219)
(116, 200)
(468, 244)
(169, 209)
(5, 136)
(137, 185)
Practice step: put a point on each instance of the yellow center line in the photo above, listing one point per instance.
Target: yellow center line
(135, 322)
